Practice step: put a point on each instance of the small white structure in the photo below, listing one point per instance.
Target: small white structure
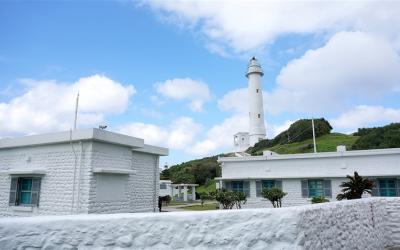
(303, 176)
(165, 188)
(80, 171)
(243, 140)
(180, 192)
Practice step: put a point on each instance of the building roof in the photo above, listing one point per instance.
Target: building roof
(92, 134)
(273, 157)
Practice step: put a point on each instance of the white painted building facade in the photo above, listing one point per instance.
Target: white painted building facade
(303, 176)
(83, 171)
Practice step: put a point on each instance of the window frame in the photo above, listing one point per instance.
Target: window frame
(34, 191)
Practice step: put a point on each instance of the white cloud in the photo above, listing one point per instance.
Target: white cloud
(49, 105)
(352, 66)
(196, 92)
(244, 26)
(365, 116)
(220, 136)
(235, 100)
(180, 134)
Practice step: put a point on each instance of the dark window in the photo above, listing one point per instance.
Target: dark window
(259, 116)
(387, 187)
(257, 90)
(163, 185)
(24, 191)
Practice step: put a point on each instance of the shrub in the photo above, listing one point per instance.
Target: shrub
(274, 195)
(204, 197)
(319, 199)
(229, 199)
(355, 187)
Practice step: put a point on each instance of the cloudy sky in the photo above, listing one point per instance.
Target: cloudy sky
(172, 72)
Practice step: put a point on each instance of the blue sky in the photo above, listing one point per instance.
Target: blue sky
(172, 72)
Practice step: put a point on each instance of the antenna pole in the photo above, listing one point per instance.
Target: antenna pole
(76, 110)
(313, 135)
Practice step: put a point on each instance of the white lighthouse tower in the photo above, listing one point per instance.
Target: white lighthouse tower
(256, 109)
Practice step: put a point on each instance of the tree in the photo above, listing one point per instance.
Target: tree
(230, 199)
(355, 187)
(205, 196)
(319, 199)
(274, 195)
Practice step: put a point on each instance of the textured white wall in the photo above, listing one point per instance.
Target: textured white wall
(359, 224)
(56, 185)
(293, 198)
(373, 165)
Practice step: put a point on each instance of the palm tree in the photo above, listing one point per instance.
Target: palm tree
(355, 187)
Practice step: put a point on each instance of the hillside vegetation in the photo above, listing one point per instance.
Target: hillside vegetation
(297, 139)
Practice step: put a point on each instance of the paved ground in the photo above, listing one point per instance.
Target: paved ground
(180, 207)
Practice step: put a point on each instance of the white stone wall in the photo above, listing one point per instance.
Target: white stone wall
(56, 185)
(293, 198)
(357, 224)
(313, 167)
(56, 194)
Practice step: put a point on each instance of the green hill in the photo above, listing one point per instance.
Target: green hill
(325, 143)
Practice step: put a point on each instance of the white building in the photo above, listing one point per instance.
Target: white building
(303, 176)
(165, 188)
(178, 192)
(243, 140)
(83, 171)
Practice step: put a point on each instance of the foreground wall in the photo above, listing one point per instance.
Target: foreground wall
(363, 224)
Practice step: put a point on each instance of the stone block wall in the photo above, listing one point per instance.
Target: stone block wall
(359, 224)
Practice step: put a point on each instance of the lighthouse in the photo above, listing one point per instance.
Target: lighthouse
(256, 110)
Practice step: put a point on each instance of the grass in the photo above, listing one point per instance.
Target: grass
(208, 206)
(177, 203)
(206, 188)
(325, 143)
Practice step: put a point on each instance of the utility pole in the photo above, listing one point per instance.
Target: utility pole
(76, 110)
(313, 135)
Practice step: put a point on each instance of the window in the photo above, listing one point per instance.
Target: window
(259, 116)
(257, 90)
(260, 185)
(163, 185)
(387, 187)
(268, 184)
(24, 191)
(314, 187)
(238, 186)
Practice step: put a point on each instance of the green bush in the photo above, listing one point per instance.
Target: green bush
(319, 199)
(229, 199)
(380, 137)
(274, 195)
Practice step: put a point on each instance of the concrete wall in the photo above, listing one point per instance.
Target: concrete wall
(140, 187)
(56, 185)
(293, 198)
(313, 167)
(56, 193)
(362, 224)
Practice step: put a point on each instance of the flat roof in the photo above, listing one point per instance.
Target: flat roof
(351, 153)
(91, 134)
